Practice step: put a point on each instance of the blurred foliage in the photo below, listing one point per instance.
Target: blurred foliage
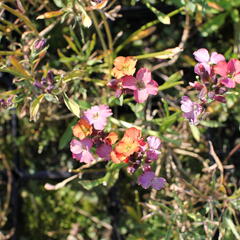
(197, 202)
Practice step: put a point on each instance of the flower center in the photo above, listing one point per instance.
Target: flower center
(95, 116)
(140, 84)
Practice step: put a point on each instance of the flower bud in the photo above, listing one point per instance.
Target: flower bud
(40, 44)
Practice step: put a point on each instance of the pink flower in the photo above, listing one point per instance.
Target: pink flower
(230, 72)
(103, 151)
(148, 179)
(191, 110)
(205, 60)
(80, 150)
(142, 85)
(154, 144)
(97, 116)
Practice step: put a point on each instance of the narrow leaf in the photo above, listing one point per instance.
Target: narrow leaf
(71, 105)
(34, 107)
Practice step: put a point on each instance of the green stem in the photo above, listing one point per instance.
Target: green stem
(110, 41)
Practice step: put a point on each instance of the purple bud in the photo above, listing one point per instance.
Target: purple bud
(40, 44)
(131, 169)
(146, 167)
(219, 98)
(50, 77)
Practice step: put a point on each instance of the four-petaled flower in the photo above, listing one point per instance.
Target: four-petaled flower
(82, 129)
(192, 110)
(230, 72)
(142, 86)
(97, 116)
(81, 150)
(124, 66)
(205, 60)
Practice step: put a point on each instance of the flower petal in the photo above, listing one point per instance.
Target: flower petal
(221, 68)
(103, 151)
(145, 180)
(140, 95)
(228, 82)
(216, 57)
(129, 82)
(144, 75)
(201, 55)
(76, 146)
(158, 183)
(152, 87)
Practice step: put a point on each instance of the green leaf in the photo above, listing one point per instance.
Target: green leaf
(169, 84)
(232, 226)
(175, 77)
(71, 105)
(67, 136)
(108, 180)
(213, 24)
(195, 132)
(163, 18)
(34, 107)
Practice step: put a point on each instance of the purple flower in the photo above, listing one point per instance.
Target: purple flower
(97, 115)
(148, 179)
(103, 151)
(81, 150)
(154, 144)
(205, 61)
(191, 110)
(40, 44)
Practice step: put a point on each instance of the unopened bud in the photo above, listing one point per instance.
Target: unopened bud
(40, 44)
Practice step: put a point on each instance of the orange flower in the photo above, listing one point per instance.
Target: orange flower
(133, 133)
(82, 129)
(111, 138)
(127, 146)
(124, 66)
(118, 158)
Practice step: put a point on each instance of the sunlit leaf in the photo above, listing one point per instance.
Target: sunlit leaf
(50, 14)
(34, 107)
(71, 105)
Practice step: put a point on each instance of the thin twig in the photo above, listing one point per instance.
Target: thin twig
(181, 45)
(218, 161)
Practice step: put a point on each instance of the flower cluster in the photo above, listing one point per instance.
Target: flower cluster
(141, 86)
(89, 131)
(131, 148)
(216, 76)
(46, 84)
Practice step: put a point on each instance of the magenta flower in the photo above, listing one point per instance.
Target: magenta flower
(81, 150)
(191, 110)
(148, 179)
(103, 151)
(97, 116)
(205, 60)
(230, 72)
(154, 144)
(142, 86)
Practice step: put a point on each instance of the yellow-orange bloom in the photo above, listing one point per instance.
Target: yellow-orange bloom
(127, 146)
(117, 157)
(82, 129)
(133, 133)
(124, 66)
(111, 138)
